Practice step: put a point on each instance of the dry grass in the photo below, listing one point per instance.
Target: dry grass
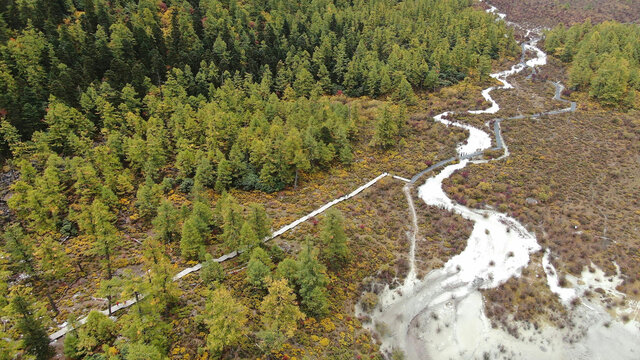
(551, 12)
(583, 172)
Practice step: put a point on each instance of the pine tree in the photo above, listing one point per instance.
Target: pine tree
(279, 309)
(226, 319)
(332, 235)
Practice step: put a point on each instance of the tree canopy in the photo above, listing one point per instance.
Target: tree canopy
(604, 58)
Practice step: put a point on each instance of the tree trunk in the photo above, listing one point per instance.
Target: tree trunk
(79, 264)
(107, 255)
(52, 303)
(295, 182)
(138, 304)
(109, 303)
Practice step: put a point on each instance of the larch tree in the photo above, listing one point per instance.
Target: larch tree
(334, 240)
(288, 269)
(44, 261)
(8, 347)
(97, 222)
(312, 281)
(386, 129)
(165, 224)
(259, 221)
(404, 92)
(148, 197)
(212, 272)
(232, 221)
(280, 311)
(141, 351)
(192, 241)
(248, 239)
(28, 317)
(159, 274)
(224, 176)
(258, 268)
(226, 319)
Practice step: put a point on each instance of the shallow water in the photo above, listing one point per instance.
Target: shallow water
(441, 316)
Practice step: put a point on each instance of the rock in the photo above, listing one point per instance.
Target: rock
(531, 201)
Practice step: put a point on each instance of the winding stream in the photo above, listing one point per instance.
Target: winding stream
(441, 315)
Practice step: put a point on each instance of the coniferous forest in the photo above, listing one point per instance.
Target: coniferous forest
(225, 179)
(604, 59)
(114, 107)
